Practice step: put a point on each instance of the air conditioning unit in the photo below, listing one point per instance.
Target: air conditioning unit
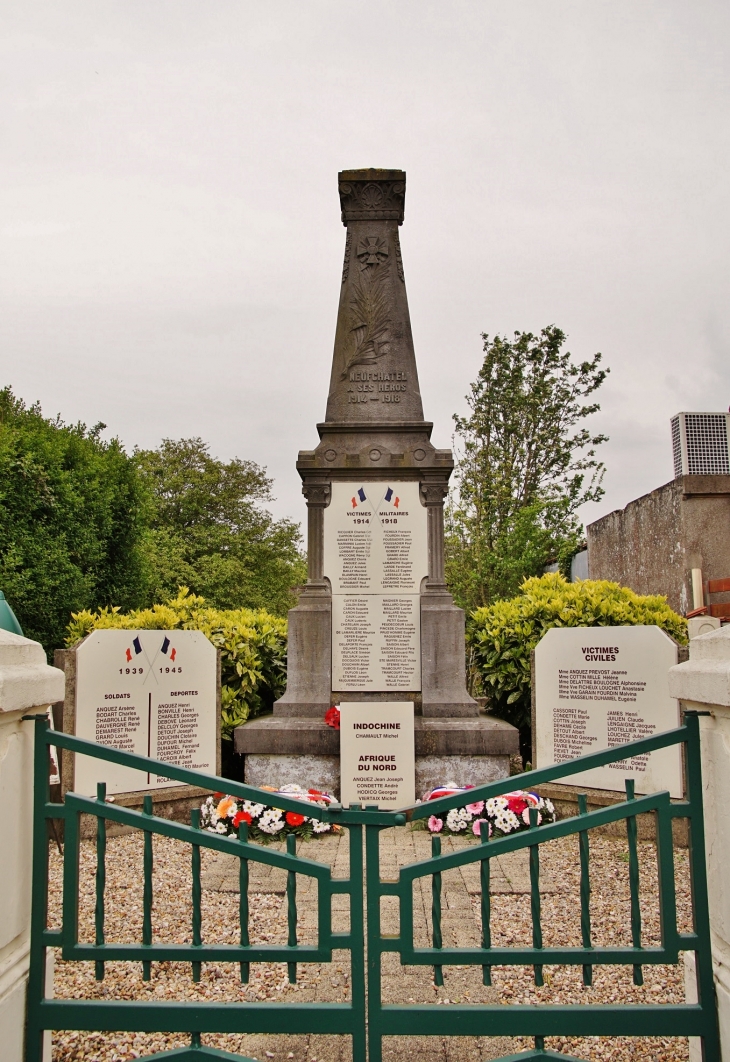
(701, 444)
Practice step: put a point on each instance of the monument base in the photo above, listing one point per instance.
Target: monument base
(312, 772)
(469, 751)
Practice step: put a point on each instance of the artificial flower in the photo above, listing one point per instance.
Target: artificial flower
(227, 807)
(435, 825)
(241, 816)
(294, 818)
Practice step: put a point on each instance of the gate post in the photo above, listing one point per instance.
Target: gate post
(27, 685)
(703, 684)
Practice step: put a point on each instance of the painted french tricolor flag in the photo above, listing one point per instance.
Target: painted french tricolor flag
(361, 496)
(166, 648)
(389, 497)
(137, 646)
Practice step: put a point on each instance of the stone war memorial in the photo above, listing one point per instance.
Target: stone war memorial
(375, 623)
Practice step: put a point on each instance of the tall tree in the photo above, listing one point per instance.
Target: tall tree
(525, 464)
(210, 532)
(72, 518)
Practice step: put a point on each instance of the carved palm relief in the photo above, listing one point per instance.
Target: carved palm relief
(369, 305)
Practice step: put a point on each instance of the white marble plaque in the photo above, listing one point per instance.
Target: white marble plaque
(375, 538)
(376, 643)
(148, 692)
(377, 754)
(599, 687)
(376, 554)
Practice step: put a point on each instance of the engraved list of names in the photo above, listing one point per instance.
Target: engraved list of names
(600, 687)
(153, 693)
(375, 556)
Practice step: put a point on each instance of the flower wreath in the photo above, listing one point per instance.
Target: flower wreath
(502, 814)
(224, 814)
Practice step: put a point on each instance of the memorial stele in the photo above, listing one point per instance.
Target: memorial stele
(375, 621)
(148, 692)
(599, 687)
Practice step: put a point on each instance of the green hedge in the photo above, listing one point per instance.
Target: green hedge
(252, 644)
(501, 636)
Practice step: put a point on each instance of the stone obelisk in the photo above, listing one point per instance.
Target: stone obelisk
(375, 621)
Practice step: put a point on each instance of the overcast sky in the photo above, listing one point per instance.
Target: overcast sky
(170, 218)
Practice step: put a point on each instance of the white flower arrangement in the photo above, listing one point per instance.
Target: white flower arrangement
(225, 814)
(502, 814)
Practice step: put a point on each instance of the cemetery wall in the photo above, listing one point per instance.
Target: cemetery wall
(653, 543)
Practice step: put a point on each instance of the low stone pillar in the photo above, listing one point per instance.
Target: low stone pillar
(27, 686)
(703, 684)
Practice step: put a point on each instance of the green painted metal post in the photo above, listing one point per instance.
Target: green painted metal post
(585, 889)
(374, 945)
(147, 890)
(244, 967)
(100, 879)
(634, 881)
(438, 971)
(197, 894)
(486, 903)
(357, 943)
(698, 883)
(535, 896)
(291, 903)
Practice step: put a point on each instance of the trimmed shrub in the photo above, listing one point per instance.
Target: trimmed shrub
(252, 644)
(501, 636)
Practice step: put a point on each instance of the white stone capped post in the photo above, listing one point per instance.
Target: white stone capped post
(28, 685)
(703, 684)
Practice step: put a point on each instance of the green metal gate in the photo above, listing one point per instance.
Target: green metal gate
(367, 1017)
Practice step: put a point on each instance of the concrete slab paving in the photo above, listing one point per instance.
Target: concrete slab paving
(401, 984)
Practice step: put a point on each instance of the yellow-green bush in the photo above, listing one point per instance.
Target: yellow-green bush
(501, 636)
(252, 644)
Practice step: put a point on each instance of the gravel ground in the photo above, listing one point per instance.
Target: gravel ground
(511, 925)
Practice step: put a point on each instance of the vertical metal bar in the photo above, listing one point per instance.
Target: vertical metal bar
(197, 893)
(357, 944)
(438, 972)
(585, 890)
(291, 902)
(245, 967)
(100, 879)
(39, 893)
(698, 882)
(535, 896)
(147, 891)
(374, 946)
(486, 902)
(634, 882)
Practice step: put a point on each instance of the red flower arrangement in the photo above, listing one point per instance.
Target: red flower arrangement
(241, 816)
(332, 717)
(294, 818)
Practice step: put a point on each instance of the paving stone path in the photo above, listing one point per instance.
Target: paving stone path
(401, 984)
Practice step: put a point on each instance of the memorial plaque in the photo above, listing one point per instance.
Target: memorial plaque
(375, 556)
(377, 754)
(376, 643)
(153, 693)
(599, 687)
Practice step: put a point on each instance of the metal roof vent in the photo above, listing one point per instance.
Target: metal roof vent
(701, 444)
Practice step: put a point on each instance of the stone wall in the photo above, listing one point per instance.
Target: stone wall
(652, 545)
